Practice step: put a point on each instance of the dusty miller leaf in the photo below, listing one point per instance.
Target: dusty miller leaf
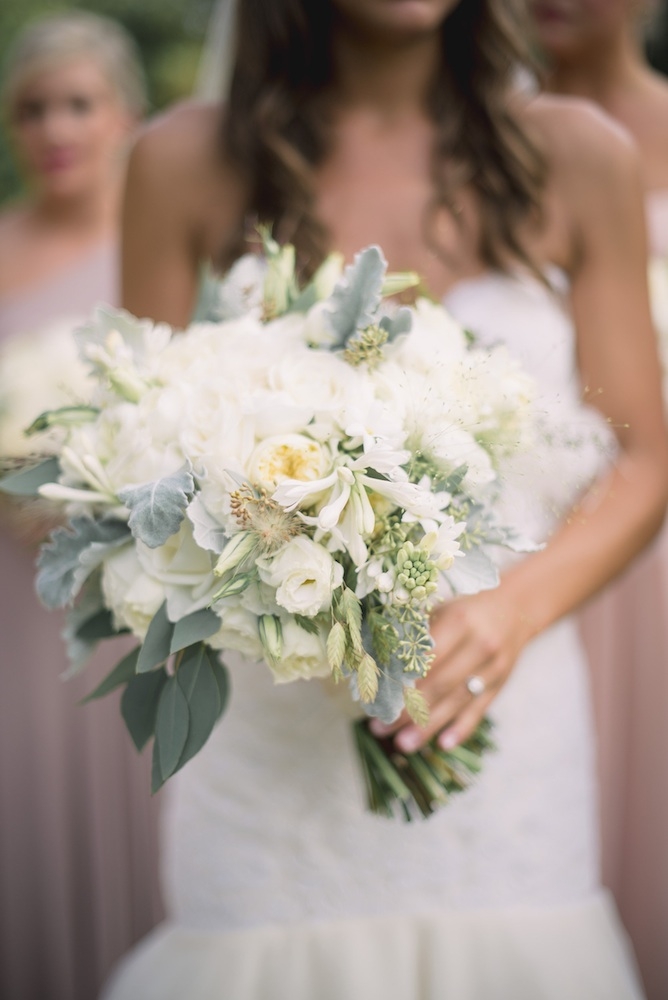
(474, 572)
(356, 297)
(72, 554)
(158, 508)
(401, 322)
(26, 482)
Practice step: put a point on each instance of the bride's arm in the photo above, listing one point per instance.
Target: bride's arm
(484, 634)
(180, 202)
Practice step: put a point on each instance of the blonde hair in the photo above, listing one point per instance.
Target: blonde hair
(50, 41)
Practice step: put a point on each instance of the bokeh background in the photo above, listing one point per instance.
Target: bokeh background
(170, 34)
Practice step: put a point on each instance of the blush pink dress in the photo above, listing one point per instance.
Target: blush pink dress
(626, 635)
(78, 883)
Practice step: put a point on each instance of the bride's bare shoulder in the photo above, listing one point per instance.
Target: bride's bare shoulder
(178, 157)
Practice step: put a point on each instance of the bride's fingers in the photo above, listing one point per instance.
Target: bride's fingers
(411, 737)
(466, 721)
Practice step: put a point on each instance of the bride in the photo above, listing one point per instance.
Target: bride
(396, 122)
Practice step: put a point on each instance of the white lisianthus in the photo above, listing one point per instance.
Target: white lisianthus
(304, 655)
(132, 595)
(239, 631)
(183, 570)
(289, 456)
(304, 574)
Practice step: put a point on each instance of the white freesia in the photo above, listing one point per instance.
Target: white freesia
(304, 574)
(132, 595)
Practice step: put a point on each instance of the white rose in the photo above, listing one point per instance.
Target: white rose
(239, 632)
(183, 570)
(132, 595)
(304, 574)
(289, 456)
(304, 655)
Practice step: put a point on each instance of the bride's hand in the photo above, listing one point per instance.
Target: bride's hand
(476, 637)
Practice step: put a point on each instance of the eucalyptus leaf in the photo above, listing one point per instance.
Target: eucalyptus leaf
(194, 628)
(122, 673)
(158, 508)
(98, 626)
(207, 531)
(171, 726)
(26, 482)
(474, 572)
(198, 682)
(157, 780)
(72, 554)
(157, 644)
(222, 677)
(79, 650)
(139, 705)
(356, 297)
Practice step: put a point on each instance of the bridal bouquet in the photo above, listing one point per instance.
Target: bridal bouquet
(40, 370)
(300, 482)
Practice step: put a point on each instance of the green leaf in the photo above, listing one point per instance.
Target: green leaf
(307, 624)
(197, 680)
(354, 301)
(98, 626)
(157, 780)
(66, 416)
(158, 508)
(222, 677)
(171, 726)
(139, 705)
(157, 644)
(26, 482)
(72, 554)
(194, 628)
(122, 673)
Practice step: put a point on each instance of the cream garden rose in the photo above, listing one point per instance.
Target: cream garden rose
(289, 456)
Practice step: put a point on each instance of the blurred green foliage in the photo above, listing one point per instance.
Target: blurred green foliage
(169, 34)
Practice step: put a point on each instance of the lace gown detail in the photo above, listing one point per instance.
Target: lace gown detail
(279, 883)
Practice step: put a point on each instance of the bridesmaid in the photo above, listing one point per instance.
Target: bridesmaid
(594, 50)
(77, 840)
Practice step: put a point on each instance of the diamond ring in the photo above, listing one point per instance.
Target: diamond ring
(475, 685)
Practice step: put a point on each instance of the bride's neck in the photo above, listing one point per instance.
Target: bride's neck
(392, 76)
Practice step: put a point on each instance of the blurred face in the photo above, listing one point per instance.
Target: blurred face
(568, 27)
(68, 127)
(393, 18)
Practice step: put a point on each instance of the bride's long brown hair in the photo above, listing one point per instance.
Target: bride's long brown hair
(275, 129)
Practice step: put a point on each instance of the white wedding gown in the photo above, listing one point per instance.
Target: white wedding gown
(281, 886)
